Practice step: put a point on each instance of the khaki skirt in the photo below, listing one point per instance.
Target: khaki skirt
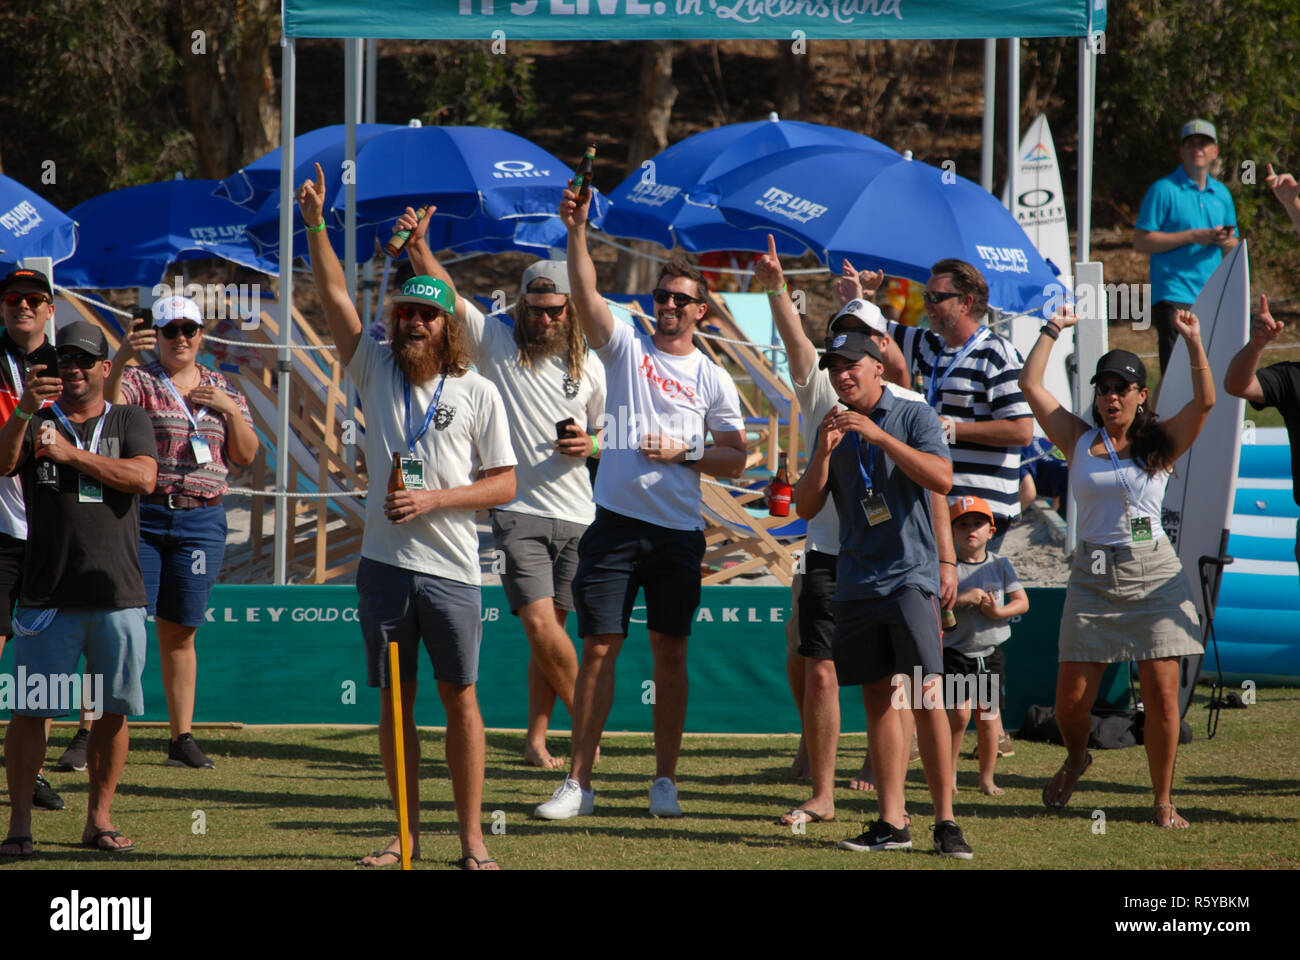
(1128, 603)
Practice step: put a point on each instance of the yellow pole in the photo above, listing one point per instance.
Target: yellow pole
(395, 681)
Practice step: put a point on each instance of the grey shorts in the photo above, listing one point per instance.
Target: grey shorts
(403, 605)
(541, 557)
(48, 644)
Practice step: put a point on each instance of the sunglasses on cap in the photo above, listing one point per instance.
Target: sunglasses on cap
(409, 311)
(1106, 388)
(78, 358)
(932, 298)
(173, 330)
(555, 313)
(33, 300)
(679, 299)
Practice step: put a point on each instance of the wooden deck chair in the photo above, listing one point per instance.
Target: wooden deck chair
(734, 529)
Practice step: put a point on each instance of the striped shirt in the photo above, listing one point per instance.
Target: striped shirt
(178, 470)
(981, 388)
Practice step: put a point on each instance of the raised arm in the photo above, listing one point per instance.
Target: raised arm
(800, 350)
(1186, 424)
(813, 488)
(1240, 380)
(331, 285)
(132, 344)
(928, 470)
(1287, 191)
(1062, 427)
(593, 313)
(38, 390)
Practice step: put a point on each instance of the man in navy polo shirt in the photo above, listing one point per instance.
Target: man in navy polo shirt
(1187, 223)
(878, 459)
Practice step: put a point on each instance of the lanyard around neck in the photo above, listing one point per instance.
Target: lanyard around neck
(936, 378)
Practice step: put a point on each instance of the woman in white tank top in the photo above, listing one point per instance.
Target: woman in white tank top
(1127, 597)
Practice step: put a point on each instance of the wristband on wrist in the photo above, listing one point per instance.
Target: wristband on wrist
(777, 293)
(318, 228)
(595, 446)
(1051, 329)
(22, 414)
(952, 563)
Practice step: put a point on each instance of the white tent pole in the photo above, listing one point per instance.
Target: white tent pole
(351, 108)
(1087, 64)
(288, 93)
(1013, 117)
(372, 78)
(990, 102)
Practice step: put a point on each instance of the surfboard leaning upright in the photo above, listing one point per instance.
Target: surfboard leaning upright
(1198, 501)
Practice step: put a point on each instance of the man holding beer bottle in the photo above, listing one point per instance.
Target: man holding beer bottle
(419, 572)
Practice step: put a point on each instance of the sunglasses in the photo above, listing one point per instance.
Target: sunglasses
(932, 298)
(1118, 388)
(679, 299)
(555, 313)
(408, 311)
(33, 300)
(173, 330)
(80, 359)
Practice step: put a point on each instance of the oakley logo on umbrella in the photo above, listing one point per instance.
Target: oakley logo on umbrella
(1003, 259)
(516, 169)
(21, 220)
(652, 194)
(789, 206)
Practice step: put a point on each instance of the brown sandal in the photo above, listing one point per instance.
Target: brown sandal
(1175, 821)
(1060, 793)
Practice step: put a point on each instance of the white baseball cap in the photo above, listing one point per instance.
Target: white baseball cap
(554, 271)
(1203, 127)
(176, 308)
(865, 312)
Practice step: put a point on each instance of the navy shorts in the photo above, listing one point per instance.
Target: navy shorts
(11, 580)
(982, 678)
(406, 606)
(620, 555)
(180, 557)
(816, 615)
(875, 639)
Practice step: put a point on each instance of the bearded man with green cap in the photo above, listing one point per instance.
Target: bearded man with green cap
(419, 574)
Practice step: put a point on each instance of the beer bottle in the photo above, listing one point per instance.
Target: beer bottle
(780, 491)
(582, 180)
(395, 481)
(949, 620)
(397, 243)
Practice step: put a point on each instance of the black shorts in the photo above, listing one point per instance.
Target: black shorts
(11, 580)
(875, 639)
(618, 556)
(816, 618)
(1162, 314)
(963, 678)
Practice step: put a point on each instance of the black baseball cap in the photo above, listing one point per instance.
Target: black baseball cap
(83, 335)
(852, 345)
(32, 276)
(1122, 364)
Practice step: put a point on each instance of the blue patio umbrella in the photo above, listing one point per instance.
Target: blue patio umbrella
(129, 237)
(32, 227)
(249, 186)
(886, 213)
(652, 203)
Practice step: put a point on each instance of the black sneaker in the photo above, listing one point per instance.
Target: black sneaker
(880, 835)
(74, 758)
(184, 752)
(45, 797)
(948, 841)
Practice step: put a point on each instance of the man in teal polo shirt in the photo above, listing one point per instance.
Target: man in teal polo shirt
(1187, 223)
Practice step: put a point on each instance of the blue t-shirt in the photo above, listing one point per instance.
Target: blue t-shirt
(1174, 203)
(876, 561)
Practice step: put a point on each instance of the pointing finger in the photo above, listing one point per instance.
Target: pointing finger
(771, 246)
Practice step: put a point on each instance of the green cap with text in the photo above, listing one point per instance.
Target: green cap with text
(428, 292)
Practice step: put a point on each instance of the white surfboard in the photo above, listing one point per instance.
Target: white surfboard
(1039, 208)
(1198, 502)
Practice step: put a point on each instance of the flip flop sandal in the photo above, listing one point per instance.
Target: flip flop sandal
(1176, 822)
(1065, 794)
(463, 862)
(789, 819)
(94, 842)
(378, 854)
(19, 841)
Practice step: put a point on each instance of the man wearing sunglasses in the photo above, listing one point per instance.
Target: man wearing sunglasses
(554, 392)
(419, 576)
(83, 463)
(970, 375)
(648, 531)
(28, 305)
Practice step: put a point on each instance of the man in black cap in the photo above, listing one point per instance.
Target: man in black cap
(83, 463)
(27, 305)
(879, 459)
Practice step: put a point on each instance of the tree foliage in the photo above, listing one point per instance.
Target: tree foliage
(469, 83)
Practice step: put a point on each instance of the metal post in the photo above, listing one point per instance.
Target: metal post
(990, 103)
(351, 109)
(288, 93)
(1013, 117)
(1087, 90)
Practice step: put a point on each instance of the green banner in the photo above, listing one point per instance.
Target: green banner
(514, 20)
(294, 655)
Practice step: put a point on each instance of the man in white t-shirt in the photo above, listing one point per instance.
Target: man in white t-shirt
(810, 667)
(547, 378)
(663, 396)
(419, 573)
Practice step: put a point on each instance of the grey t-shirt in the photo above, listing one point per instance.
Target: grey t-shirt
(976, 633)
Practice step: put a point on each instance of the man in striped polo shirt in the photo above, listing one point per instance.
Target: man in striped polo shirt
(970, 376)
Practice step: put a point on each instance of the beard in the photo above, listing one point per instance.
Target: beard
(419, 361)
(553, 340)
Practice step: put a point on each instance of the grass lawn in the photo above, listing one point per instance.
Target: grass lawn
(313, 798)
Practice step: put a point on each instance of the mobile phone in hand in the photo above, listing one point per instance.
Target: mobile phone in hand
(144, 319)
(44, 355)
(562, 428)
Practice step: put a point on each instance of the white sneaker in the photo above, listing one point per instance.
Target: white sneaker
(663, 799)
(570, 800)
